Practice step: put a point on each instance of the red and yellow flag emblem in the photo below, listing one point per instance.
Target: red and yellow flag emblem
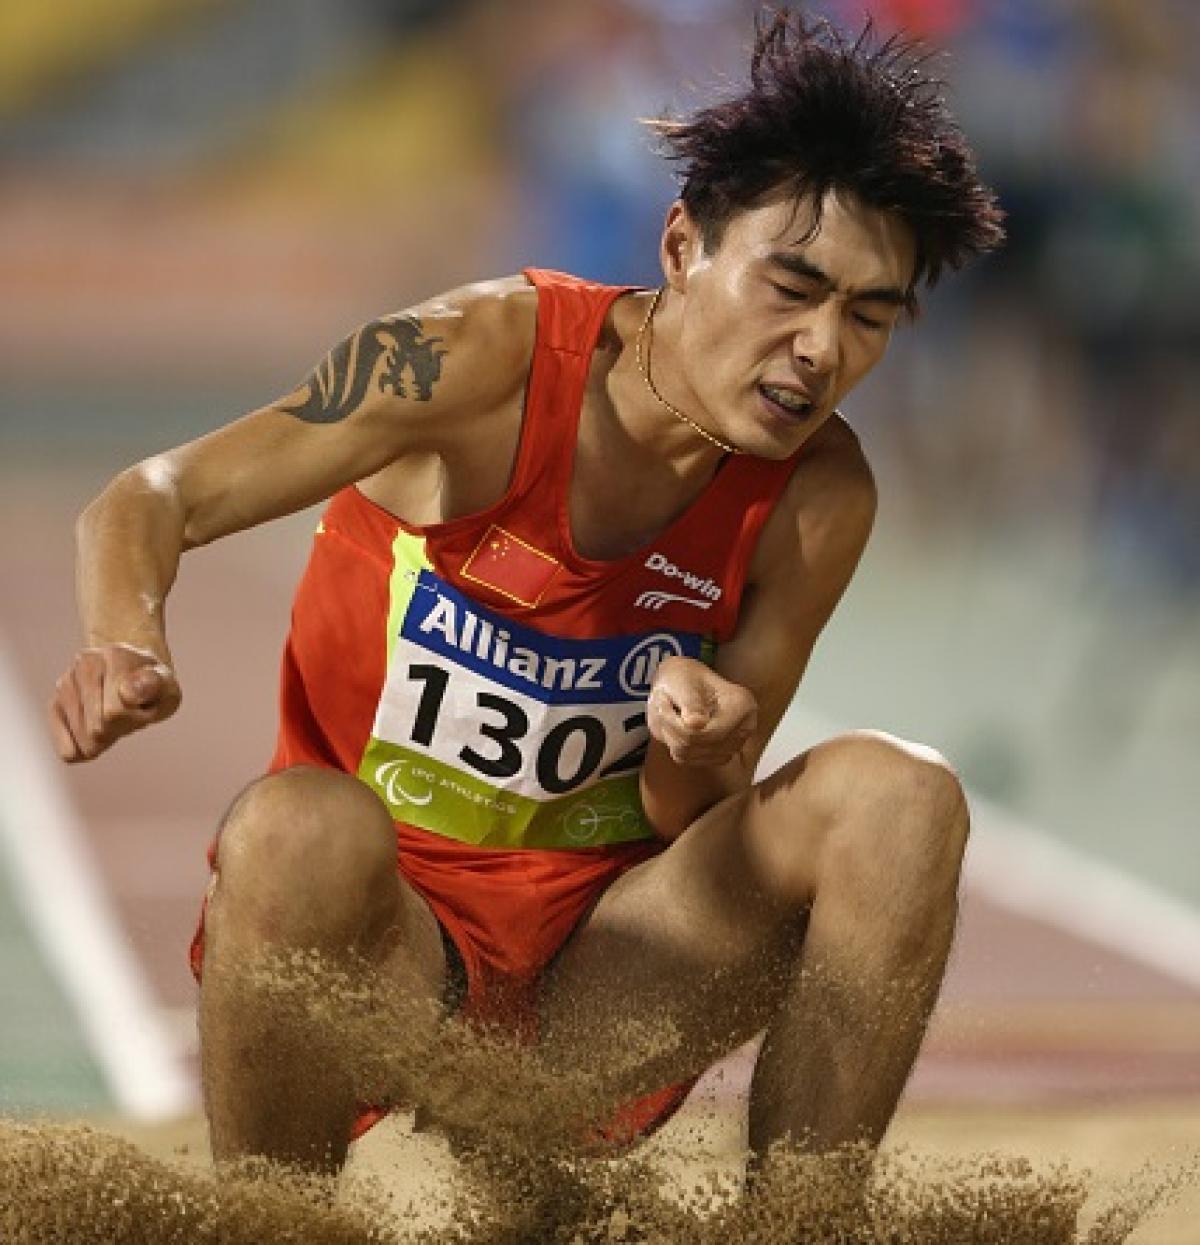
(510, 566)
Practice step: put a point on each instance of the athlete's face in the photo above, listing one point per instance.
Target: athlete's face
(775, 330)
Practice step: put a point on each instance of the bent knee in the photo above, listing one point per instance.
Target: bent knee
(305, 829)
(902, 802)
(870, 772)
(869, 800)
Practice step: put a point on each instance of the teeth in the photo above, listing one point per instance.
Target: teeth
(785, 397)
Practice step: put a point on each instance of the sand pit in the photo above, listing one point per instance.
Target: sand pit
(527, 1168)
(152, 1184)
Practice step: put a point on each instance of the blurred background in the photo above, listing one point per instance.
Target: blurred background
(199, 197)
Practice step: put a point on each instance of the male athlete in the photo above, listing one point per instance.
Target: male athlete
(579, 545)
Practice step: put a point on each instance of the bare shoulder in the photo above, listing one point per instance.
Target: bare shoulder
(465, 350)
(489, 324)
(825, 516)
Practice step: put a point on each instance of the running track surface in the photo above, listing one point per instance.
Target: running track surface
(1030, 1013)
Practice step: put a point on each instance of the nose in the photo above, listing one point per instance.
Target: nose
(816, 344)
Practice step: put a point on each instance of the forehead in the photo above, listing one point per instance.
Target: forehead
(859, 247)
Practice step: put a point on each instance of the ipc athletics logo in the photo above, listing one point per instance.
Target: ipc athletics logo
(637, 670)
(389, 776)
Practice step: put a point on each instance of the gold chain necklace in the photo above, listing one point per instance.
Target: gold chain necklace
(643, 363)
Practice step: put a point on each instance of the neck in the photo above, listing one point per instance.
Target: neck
(646, 430)
(655, 355)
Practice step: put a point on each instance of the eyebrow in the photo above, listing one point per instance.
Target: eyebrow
(801, 267)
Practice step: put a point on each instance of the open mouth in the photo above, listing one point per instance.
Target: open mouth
(788, 402)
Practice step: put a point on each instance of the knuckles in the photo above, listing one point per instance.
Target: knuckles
(87, 715)
(728, 721)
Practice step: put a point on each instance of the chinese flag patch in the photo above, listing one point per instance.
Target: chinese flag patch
(508, 565)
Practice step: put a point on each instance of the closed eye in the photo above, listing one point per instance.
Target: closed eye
(869, 322)
(791, 293)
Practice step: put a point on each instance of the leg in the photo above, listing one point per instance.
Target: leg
(839, 1049)
(306, 861)
(820, 905)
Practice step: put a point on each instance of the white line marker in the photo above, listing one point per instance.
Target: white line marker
(69, 913)
(1027, 871)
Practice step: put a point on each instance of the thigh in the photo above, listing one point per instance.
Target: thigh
(693, 946)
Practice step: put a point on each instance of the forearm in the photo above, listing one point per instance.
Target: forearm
(129, 541)
(674, 795)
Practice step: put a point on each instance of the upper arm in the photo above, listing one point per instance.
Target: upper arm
(806, 557)
(401, 383)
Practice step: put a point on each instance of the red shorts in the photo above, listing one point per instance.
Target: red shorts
(507, 915)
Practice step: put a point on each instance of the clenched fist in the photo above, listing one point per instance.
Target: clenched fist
(107, 693)
(702, 718)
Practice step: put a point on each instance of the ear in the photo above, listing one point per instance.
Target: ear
(680, 247)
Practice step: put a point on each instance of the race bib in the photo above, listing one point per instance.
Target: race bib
(495, 734)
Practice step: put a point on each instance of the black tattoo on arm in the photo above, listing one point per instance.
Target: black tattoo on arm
(342, 380)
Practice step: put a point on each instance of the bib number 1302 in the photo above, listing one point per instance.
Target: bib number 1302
(503, 724)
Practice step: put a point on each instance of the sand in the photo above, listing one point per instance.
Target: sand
(966, 1175)
(526, 1167)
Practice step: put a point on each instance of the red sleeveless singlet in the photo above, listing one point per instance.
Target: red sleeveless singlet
(483, 677)
(489, 682)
